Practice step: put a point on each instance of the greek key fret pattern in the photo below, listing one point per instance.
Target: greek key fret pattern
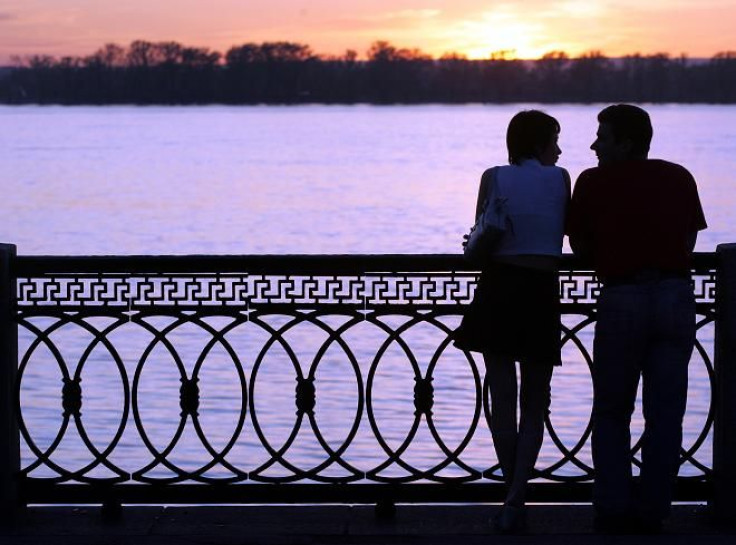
(245, 291)
(578, 288)
(704, 287)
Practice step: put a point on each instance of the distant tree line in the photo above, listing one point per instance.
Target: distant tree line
(291, 73)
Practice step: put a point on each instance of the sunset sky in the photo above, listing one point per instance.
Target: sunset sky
(530, 28)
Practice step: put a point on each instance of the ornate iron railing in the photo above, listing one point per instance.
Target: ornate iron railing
(148, 377)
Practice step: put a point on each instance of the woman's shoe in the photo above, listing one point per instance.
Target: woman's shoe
(510, 520)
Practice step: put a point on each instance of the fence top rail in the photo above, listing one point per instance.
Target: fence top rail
(29, 266)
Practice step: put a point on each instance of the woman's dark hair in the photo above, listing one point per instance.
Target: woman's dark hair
(629, 122)
(529, 132)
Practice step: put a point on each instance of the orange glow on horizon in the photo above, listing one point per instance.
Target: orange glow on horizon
(474, 28)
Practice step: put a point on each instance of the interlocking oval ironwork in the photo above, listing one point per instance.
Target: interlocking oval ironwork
(402, 322)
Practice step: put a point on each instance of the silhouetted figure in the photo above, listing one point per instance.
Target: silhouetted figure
(635, 220)
(515, 314)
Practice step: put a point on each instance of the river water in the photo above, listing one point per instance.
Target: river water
(307, 179)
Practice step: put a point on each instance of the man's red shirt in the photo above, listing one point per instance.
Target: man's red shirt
(635, 215)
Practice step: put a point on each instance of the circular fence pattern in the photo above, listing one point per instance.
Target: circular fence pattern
(350, 380)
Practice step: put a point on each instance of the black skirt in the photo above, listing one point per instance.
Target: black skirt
(515, 313)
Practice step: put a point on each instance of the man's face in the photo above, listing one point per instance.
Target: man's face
(607, 149)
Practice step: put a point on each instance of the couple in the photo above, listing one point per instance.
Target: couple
(634, 220)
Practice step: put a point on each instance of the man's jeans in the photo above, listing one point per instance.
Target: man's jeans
(643, 329)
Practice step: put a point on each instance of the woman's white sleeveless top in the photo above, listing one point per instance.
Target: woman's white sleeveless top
(537, 201)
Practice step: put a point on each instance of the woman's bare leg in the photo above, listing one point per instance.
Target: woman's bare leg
(534, 404)
(501, 373)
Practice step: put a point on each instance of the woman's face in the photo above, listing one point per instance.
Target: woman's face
(551, 152)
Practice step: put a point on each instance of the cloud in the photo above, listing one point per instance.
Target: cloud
(6, 16)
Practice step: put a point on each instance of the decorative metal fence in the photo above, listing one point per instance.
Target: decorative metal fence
(292, 379)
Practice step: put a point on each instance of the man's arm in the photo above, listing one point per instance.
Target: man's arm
(582, 248)
(692, 239)
(578, 229)
(698, 222)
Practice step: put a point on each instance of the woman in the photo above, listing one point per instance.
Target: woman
(514, 315)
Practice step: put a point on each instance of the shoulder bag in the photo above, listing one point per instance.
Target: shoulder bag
(491, 225)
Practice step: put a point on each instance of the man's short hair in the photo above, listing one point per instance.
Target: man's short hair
(629, 122)
(529, 133)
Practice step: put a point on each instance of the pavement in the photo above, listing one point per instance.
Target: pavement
(338, 525)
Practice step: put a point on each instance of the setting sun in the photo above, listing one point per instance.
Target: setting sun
(498, 32)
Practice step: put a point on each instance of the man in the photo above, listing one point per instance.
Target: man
(635, 220)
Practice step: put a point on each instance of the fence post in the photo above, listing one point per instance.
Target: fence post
(9, 436)
(724, 427)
